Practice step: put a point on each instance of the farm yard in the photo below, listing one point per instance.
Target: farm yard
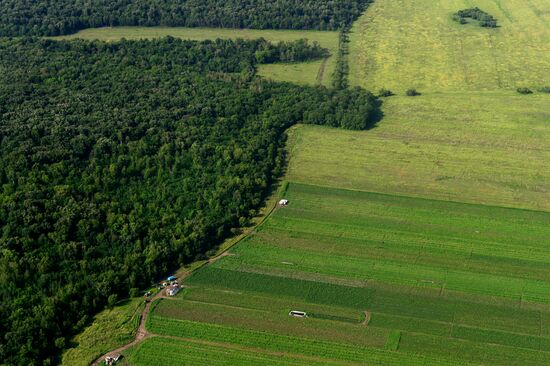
(314, 72)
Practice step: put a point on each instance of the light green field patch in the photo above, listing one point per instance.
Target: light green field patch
(318, 72)
(490, 148)
(401, 44)
(261, 343)
(110, 329)
(178, 352)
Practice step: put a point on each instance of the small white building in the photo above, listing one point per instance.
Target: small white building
(283, 202)
(298, 314)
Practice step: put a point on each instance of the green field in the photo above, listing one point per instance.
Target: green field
(303, 73)
(110, 329)
(402, 44)
(489, 148)
(441, 282)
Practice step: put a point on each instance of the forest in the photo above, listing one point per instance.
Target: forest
(122, 161)
(51, 18)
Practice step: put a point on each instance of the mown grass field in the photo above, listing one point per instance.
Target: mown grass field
(485, 147)
(304, 73)
(402, 44)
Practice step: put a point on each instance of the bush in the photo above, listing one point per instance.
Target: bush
(485, 20)
(385, 93)
(524, 91)
(412, 93)
(545, 89)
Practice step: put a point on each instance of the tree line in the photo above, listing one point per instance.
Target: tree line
(119, 162)
(51, 18)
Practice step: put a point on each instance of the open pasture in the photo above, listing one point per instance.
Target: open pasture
(318, 72)
(489, 148)
(402, 44)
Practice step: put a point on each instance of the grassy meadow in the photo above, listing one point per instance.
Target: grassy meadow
(318, 72)
(485, 147)
(402, 44)
(110, 329)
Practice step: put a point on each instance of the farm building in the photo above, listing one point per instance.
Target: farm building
(173, 289)
(283, 202)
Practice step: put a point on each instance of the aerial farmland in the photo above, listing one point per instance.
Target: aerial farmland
(422, 241)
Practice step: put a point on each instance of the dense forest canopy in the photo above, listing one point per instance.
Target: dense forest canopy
(122, 161)
(45, 17)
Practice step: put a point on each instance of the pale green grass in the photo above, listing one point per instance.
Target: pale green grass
(302, 73)
(400, 44)
(177, 352)
(110, 329)
(489, 148)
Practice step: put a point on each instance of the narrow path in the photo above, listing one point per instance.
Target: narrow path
(321, 72)
(142, 333)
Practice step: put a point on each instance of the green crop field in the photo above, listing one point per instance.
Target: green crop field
(402, 44)
(303, 73)
(425, 240)
(384, 279)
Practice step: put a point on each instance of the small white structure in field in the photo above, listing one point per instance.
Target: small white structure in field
(283, 202)
(298, 314)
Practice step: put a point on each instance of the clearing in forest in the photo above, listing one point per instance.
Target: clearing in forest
(489, 148)
(301, 73)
